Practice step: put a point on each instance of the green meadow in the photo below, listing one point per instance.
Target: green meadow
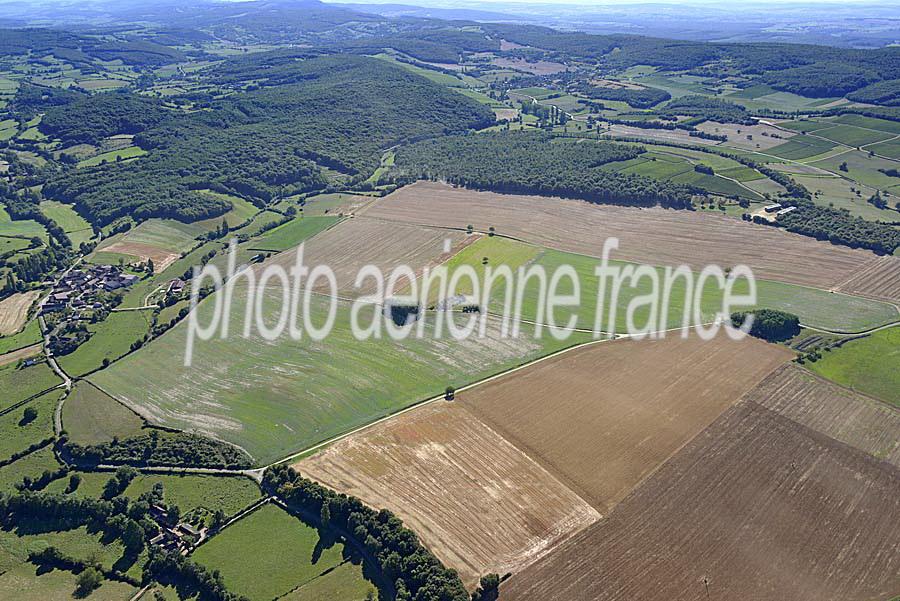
(271, 553)
(870, 365)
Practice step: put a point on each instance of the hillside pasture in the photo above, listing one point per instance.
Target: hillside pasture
(90, 416)
(17, 434)
(292, 233)
(603, 417)
(655, 236)
(475, 500)
(19, 384)
(755, 507)
(270, 553)
(69, 220)
(870, 365)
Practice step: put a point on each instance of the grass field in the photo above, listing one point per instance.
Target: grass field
(199, 497)
(862, 168)
(334, 204)
(272, 398)
(852, 135)
(890, 149)
(32, 465)
(122, 154)
(17, 435)
(837, 191)
(19, 384)
(891, 127)
(26, 228)
(110, 339)
(90, 416)
(271, 553)
(241, 211)
(292, 233)
(870, 365)
(166, 234)
(69, 220)
(801, 147)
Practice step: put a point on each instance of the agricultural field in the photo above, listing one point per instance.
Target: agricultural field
(480, 504)
(292, 233)
(18, 433)
(747, 137)
(76, 228)
(271, 553)
(22, 353)
(273, 398)
(878, 279)
(90, 416)
(110, 339)
(19, 384)
(619, 420)
(14, 311)
(832, 190)
(817, 308)
(655, 236)
(851, 418)
(851, 135)
(357, 242)
(30, 334)
(870, 365)
(740, 509)
(802, 147)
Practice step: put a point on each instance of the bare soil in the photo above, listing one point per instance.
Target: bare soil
(854, 419)
(162, 258)
(603, 417)
(756, 507)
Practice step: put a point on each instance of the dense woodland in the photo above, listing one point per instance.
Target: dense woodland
(708, 109)
(642, 98)
(268, 142)
(533, 163)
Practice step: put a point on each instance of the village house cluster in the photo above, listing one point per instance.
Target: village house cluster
(80, 288)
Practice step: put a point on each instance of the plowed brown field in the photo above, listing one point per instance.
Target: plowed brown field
(756, 507)
(478, 502)
(603, 417)
(879, 279)
(656, 236)
(851, 418)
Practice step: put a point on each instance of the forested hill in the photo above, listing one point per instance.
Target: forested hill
(275, 140)
(535, 163)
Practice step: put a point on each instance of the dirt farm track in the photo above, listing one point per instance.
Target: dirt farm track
(656, 236)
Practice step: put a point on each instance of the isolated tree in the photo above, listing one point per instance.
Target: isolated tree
(151, 268)
(74, 483)
(449, 393)
(29, 415)
(88, 581)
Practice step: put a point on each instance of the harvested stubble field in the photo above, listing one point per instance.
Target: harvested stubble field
(354, 243)
(14, 311)
(656, 236)
(757, 506)
(603, 417)
(476, 501)
(854, 419)
(161, 257)
(879, 279)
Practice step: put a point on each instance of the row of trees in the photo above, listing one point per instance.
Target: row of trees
(157, 449)
(537, 163)
(840, 227)
(416, 573)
